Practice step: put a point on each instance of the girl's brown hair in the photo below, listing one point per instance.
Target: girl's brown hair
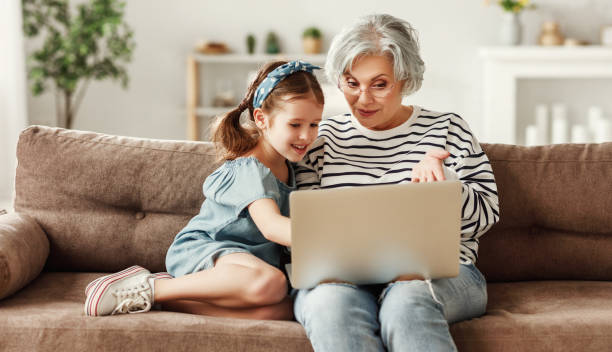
(234, 138)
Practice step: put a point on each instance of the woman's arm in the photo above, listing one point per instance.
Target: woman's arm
(480, 204)
(268, 219)
(464, 158)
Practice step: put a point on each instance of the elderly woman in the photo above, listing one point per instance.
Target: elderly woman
(375, 63)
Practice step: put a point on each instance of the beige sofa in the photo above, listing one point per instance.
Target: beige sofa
(89, 203)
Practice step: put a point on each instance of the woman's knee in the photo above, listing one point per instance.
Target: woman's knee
(412, 300)
(335, 303)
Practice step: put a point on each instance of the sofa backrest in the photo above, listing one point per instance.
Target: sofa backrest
(108, 202)
(555, 213)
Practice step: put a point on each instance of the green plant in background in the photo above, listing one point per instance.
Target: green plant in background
(250, 43)
(312, 32)
(272, 46)
(79, 45)
(515, 5)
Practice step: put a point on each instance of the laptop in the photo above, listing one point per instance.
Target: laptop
(373, 234)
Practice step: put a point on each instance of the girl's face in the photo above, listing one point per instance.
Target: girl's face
(292, 127)
(371, 74)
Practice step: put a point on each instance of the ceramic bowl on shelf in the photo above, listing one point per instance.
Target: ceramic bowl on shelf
(206, 47)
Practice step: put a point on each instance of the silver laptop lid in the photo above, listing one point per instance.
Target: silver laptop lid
(373, 234)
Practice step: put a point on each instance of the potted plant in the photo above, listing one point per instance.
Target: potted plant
(250, 43)
(311, 40)
(272, 45)
(511, 29)
(79, 46)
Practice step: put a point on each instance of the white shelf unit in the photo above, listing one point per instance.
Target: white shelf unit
(197, 65)
(503, 67)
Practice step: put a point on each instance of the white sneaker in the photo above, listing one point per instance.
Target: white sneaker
(128, 291)
(154, 276)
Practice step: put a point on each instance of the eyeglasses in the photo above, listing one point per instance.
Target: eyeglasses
(378, 90)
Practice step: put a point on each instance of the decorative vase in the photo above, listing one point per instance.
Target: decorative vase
(511, 30)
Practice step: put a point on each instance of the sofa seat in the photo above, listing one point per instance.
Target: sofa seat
(48, 315)
(541, 316)
(537, 315)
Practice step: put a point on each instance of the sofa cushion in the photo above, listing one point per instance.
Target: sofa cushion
(24, 248)
(530, 316)
(555, 218)
(48, 316)
(120, 198)
(541, 316)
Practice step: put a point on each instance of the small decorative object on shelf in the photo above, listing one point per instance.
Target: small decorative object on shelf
(606, 35)
(224, 95)
(511, 30)
(250, 40)
(3, 212)
(311, 40)
(272, 46)
(550, 34)
(574, 42)
(208, 47)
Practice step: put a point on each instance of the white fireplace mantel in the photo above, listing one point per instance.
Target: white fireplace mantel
(504, 66)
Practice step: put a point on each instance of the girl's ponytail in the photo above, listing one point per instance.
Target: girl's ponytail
(232, 137)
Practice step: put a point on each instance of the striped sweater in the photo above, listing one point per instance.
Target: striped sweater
(348, 154)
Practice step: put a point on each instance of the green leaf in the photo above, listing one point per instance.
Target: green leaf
(89, 40)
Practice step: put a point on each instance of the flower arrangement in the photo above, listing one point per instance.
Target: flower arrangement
(514, 5)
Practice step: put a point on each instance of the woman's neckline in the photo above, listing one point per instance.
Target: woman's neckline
(416, 110)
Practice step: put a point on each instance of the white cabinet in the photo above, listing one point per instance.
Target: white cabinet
(505, 67)
(201, 68)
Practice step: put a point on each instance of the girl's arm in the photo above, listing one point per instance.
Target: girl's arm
(268, 219)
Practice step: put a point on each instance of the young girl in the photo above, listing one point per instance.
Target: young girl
(227, 260)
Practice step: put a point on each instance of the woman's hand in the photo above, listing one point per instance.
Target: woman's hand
(430, 169)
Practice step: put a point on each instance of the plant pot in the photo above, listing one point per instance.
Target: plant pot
(311, 45)
(511, 29)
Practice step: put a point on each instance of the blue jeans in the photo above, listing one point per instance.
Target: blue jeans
(405, 317)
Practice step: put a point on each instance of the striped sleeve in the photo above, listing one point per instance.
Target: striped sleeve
(308, 170)
(480, 205)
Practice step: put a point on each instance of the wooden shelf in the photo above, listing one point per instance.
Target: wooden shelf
(194, 110)
(539, 53)
(256, 58)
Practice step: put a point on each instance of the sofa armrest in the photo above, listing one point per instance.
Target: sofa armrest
(24, 249)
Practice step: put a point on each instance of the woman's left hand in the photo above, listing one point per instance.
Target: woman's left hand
(430, 169)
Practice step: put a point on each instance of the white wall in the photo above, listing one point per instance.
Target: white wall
(12, 93)
(451, 32)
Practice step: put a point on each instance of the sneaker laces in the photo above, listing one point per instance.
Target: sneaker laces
(133, 300)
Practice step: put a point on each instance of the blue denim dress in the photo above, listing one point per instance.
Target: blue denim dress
(224, 225)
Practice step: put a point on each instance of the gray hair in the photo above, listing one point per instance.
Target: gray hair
(378, 34)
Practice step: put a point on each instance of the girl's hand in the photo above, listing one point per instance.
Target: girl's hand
(430, 169)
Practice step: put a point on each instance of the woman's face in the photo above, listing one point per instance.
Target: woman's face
(371, 74)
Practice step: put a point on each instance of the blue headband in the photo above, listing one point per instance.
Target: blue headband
(278, 75)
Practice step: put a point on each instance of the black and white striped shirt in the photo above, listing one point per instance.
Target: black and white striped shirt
(348, 154)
